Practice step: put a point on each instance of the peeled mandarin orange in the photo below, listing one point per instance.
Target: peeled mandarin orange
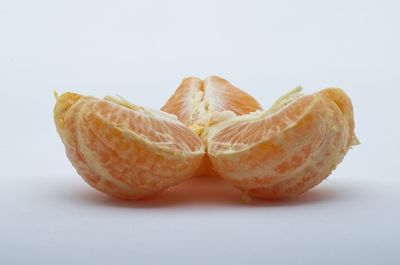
(125, 150)
(202, 103)
(286, 150)
(207, 127)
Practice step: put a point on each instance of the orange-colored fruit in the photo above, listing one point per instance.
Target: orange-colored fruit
(211, 128)
(202, 103)
(125, 150)
(286, 150)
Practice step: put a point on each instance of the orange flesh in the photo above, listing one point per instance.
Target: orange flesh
(194, 99)
(123, 152)
(131, 152)
(182, 102)
(286, 153)
(223, 96)
(201, 103)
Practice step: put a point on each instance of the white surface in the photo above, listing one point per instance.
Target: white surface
(141, 51)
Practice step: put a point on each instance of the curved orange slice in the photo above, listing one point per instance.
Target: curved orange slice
(185, 102)
(286, 150)
(124, 150)
(199, 104)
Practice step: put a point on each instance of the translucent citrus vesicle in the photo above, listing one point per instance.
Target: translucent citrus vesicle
(124, 150)
(286, 150)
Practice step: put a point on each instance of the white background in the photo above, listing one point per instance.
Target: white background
(141, 50)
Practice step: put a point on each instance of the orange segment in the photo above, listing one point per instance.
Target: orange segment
(284, 151)
(124, 150)
(223, 96)
(186, 99)
(200, 103)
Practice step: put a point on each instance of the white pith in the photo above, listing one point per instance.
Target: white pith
(142, 110)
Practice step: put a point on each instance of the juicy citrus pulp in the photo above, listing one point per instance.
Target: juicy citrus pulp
(125, 150)
(200, 104)
(207, 127)
(284, 151)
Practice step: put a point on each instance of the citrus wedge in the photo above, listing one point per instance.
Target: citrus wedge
(125, 150)
(286, 150)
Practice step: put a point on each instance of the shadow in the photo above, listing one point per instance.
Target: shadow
(201, 192)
